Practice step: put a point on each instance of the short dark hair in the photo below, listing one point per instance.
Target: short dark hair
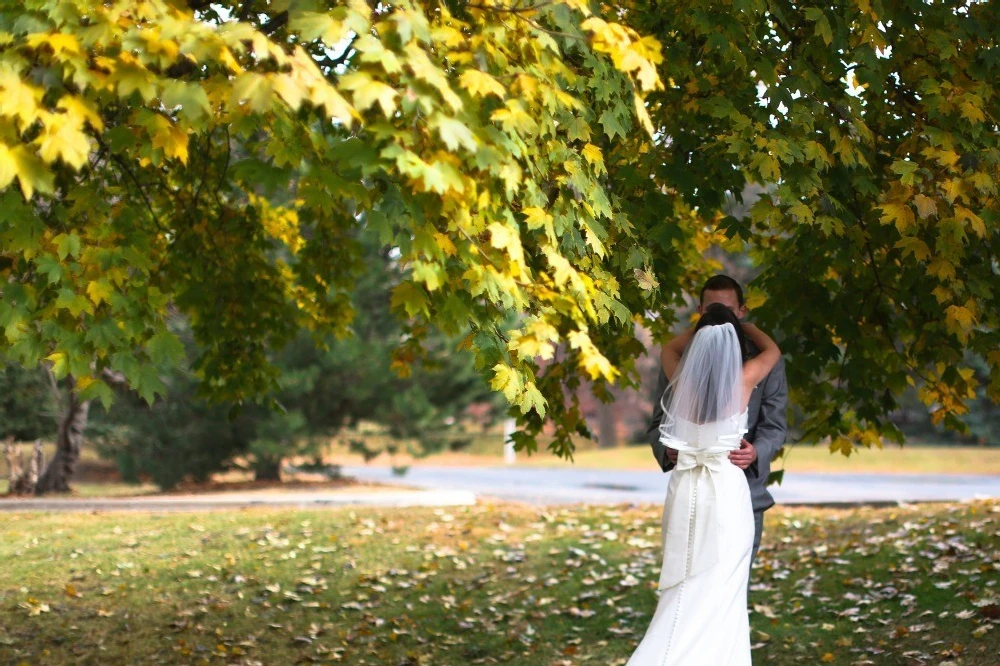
(723, 283)
(717, 314)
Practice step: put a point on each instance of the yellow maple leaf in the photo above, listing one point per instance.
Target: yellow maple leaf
(596, 365)
(255, 90)
(60, 364)
(842, 445)
(562, 269)
(514, 118)
(503, 237)
(31, 172)
(953, 189)
(59, 42)
(8, 166)
(446, 244)
(593, 154)
(971, 110)
(290, 89)
(959, 320)
(508, 381)
(941, 268)
(536, 217)
(899, 214)
(99, 290)
(79, 107)
(63, 138)
(915, 246)
(481, 84)
(18, 99)
(974, 221)
(173, 140)
(367, 92)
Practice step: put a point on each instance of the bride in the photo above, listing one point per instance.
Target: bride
(701, 617)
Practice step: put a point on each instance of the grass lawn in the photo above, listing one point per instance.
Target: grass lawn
(487, 584)
(803, 458)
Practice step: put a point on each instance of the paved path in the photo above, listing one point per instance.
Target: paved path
(567, 485)
(453, 486)
(237, 500)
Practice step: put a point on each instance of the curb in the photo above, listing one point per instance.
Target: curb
(206, 503)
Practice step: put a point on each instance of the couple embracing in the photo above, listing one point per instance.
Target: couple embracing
(719, 422)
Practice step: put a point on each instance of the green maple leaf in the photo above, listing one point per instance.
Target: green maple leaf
(164, 348)
(613, 124)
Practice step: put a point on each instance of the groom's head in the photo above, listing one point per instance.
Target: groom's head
(726, 291)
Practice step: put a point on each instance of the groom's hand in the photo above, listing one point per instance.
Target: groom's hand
(671, 454)
(744, 456)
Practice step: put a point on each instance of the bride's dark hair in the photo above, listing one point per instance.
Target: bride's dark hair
(717, 314)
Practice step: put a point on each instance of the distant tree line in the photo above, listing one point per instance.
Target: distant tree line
(326, 385)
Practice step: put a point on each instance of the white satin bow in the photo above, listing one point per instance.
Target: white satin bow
(690, 516)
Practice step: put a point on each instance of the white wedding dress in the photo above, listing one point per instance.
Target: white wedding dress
(701, 617)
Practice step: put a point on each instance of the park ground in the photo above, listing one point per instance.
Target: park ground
(487, 584)
(98, 478)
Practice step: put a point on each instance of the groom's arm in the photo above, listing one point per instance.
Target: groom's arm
(653, 429)
(772, 420)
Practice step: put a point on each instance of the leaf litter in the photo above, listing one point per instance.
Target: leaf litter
(488, 584)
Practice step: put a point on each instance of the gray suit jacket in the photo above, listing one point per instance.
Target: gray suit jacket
(766, 421)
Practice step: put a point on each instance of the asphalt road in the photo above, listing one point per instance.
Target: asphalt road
(567, 485)
(450, 486)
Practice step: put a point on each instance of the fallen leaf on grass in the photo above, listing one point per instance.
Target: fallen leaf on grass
(766, 611)
(34, 607)
(981, 631)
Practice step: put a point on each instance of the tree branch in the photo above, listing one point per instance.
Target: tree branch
(508, 10)
(795, 43)
(53, 383)
(142, 192)
(204, 171)
(246, 11)
(225, 166)
(275, 24)
(112, 377)
(333, 63)
(180, 69)
(482, 253)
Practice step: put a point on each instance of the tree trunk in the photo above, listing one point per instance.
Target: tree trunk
(15, 464)
(607, 424)
(72, 423)
(267, 469)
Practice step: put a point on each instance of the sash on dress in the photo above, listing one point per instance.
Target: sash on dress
(691, 513)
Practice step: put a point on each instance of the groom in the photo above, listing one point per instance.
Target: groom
(766, 419)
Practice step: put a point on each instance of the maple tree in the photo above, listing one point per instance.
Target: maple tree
(216, 158)
(549, 174)
(874, 126)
